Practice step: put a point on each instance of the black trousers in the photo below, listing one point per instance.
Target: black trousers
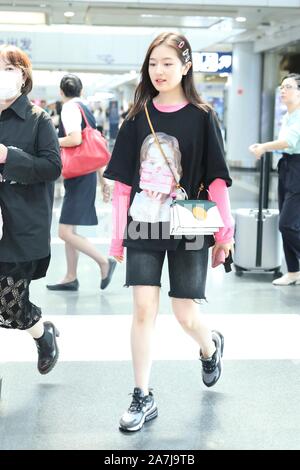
(16, 310)
(289, 207)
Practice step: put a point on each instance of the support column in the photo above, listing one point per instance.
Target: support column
(244, 96)
(271, 78)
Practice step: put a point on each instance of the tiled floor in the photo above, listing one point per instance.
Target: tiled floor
(78, 405)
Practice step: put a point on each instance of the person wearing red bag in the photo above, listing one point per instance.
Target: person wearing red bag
(79, 200)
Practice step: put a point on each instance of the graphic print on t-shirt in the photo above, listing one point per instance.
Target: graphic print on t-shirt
(157, 182)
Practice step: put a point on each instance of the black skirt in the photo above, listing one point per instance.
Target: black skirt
(30, 270)
(79, 201)
(16, 310)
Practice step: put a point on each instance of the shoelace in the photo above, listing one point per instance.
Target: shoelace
(137, 403)
(209, 366)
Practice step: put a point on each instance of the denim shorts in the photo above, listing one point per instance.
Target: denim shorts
(187, 270)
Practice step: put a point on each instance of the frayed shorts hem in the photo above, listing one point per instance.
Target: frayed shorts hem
(133, 284)
(198, 300)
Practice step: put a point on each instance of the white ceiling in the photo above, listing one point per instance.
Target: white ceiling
(262, 26)
(212, 26)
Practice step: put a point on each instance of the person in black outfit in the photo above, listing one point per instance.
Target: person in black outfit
(188, 131)
(288, 142)
(79, 200)
(29, 164)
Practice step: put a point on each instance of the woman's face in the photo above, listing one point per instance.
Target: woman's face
(289, 91)
(165, 69)
(11, 79)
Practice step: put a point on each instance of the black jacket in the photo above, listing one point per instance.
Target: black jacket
(26, 192)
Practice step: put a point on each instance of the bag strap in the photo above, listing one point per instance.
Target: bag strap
(201, 187)
(84, 116)
(159, 146)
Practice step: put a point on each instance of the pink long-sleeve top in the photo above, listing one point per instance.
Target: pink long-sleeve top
(218, 192)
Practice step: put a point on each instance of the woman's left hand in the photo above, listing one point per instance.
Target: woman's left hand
(226, 247)
(257, 149)
(3, 153)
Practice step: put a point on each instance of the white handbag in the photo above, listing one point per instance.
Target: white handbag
(189, 216)
(194, 217)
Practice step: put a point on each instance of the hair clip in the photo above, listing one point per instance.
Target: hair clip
(185, 53)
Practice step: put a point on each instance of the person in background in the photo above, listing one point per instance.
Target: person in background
(44, 106)
(29, 164)
(188, 129)
(55, 114)
(113, 118)
(79, 200)
(99, 118)
(289, 177)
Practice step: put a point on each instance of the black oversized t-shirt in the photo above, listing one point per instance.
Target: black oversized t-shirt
(192, 141)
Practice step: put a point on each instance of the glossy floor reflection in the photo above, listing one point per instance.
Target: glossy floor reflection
(79, 405)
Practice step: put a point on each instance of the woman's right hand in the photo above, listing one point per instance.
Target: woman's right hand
(3, 153)
(119, 259)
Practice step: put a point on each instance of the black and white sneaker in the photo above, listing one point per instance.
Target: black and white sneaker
(212, 366)
(142, 408)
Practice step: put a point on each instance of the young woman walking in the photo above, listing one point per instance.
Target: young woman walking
(189, 133)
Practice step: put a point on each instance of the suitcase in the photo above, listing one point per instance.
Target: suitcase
(247, 256)
(258, 245)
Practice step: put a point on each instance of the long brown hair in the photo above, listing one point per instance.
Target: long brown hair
(16, 57)
(146, 91)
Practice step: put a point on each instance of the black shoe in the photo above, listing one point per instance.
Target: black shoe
(47, 348)
(142, 408)
(73, 285)
(112, 266)
(212, 366)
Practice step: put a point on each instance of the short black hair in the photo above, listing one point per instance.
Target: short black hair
(295, 76)
(71, 85)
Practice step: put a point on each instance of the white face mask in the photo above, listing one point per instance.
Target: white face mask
(10, 85)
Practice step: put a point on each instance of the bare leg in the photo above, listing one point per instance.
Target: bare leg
(186, 312)
(37, 330)
(72, 256)
(146, 301)
(79, 243)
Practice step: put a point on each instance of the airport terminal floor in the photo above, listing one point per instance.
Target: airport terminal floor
(255, 405)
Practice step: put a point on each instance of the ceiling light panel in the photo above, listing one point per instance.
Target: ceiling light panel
(22, 17)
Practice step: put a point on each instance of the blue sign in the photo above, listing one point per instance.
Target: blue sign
(212, 62)
(23, 43)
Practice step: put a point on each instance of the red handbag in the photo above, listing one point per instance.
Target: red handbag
(87, 157)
